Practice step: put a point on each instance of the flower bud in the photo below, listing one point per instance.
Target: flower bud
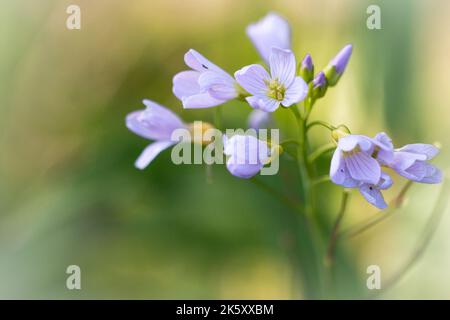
(319, 86)
(339, 133)
(307, 68)
(336, 67)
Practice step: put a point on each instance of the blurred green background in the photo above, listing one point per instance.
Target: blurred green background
(69, 193)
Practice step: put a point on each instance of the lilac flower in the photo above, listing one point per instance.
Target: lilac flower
(154, 123)
(337, 65)
(269, 32)
(259, 119)
(410, 160)
(352, 163)
(247, 155)
(205, 86)
(280, 87)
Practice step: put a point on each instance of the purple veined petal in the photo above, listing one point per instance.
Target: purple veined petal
(363, 167)
(246, 149)
(428, 150)
(404, 160)
(219, 86)
(373, 196)
(200, 101)
(283, 66)
(385, 181)
(150, 153)
(199, 63)
(339, 173)
(263, 103)
(155, 122)
(259, 119)
(349, 143)
(253, 78)
(383, 141)
(296, 92)
(185, 84)
(433, 175)
(271, 31)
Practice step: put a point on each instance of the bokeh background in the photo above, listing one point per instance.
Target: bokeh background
(69, 193)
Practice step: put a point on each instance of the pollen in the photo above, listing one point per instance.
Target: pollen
(276, 90)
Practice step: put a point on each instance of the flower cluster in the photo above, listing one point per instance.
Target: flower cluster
(357, 161)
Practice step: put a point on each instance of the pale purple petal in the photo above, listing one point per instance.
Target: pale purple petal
(264, 103)
(247, 155)
(200, 101)
(283, 66)
(296, 92)
(271, 31)
(253, 78)
(155, 123)
(385, 181)
(259, 119)
(348, 143)
(339, 173)
(385, 154)
(428, 150)
(199, 63)
(404, 160)
(185, 84)
(150, 153)
(363, 167)
(433, 175)
(373, 196)
(218, 85)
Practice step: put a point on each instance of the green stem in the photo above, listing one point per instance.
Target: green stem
(320, 123)
(320, 151)
(334, 233)
(365, 225)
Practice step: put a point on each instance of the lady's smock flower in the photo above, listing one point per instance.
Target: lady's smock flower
(154, 123)
(269, 32)
(247, 155)
(205, 86)
(281, 86)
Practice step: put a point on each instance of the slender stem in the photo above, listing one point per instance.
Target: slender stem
(365, 225)
(320, 123)
(320, 180)
(430, 229)
(320, 151)
(278, 195)
(334, 233)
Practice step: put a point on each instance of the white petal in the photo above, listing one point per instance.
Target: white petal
(296, 92)
(283, 66)
(150, 153)
(253, 78)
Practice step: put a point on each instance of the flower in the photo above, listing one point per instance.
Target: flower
(154, 123)
(352, 163)
(280, 87)
(269, 32)
(337, 65)
(410, 160)
(354, 166)
(259, 119)
(205, 86)
(247, 155)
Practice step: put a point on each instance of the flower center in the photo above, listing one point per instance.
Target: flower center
(350, 153)
(276, 89)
